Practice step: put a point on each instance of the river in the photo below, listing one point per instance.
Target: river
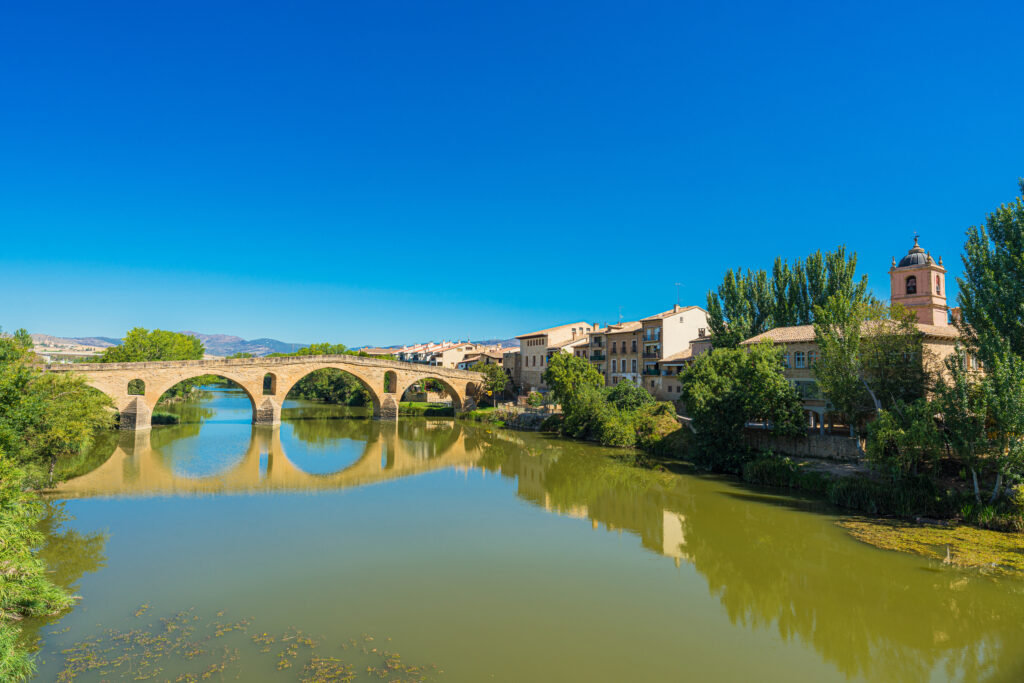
(342, 548)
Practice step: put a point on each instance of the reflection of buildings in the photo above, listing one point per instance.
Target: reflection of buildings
(582, 485)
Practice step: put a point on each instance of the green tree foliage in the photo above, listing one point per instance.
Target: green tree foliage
(141, 345)
(44, 416)
(727, 388)
(750, 302)
(961, 400)
(624, 415)
(569, 376)
(991, 294)
(25, 589)
(1003, 385)
(495, 379)
(627, 396)
(870, 357)
(904, 438)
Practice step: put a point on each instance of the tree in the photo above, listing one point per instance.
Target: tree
(991, 294)
(495, 379)
(627, 396)
(961, 400)
(567, 376)
(1004, 396)
(837, 331)
(44, 416)
(140, 345)
(727, 388)
(903, 438)
(748, 303)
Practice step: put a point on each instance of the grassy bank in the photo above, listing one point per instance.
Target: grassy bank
(489, 415)
(423, 409)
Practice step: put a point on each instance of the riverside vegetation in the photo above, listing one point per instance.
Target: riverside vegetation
(941, 444)
(43, 418)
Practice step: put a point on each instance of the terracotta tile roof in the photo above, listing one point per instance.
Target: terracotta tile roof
(622, 327)
(568, 342)
(665, 314)
(805, 333)
(680, 357)
(556, 327)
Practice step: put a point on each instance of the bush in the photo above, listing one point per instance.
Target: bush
(552, 423)
(162, 418)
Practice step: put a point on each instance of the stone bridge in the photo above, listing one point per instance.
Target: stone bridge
(267, 382)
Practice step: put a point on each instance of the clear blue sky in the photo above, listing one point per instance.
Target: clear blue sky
(384, 172)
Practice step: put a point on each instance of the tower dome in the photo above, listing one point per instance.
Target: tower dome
(917, 256)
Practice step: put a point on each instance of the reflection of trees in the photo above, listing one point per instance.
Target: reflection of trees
(427, 439)
(102, 447)
(69, 555)
(325, 431)
(868, 612)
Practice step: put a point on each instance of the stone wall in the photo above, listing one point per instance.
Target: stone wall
(828, 446)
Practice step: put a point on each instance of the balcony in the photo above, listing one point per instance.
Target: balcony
(596, 343)
(597, 356)
(652, 340)
(652, 354)
(653, 372)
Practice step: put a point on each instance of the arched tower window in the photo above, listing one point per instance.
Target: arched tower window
(269, 384)
(911, 284)
(938, 284)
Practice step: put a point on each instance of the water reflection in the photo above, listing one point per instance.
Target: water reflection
(768, 563)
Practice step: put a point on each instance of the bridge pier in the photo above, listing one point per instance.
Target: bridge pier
(268, 412)
(389, 407)
(135, 415)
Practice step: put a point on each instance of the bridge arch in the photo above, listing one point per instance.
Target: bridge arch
(457, 398)
(286, 385)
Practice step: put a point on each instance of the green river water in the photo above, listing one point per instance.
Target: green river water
(341, 548)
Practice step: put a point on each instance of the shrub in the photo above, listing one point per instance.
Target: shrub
(162, 418)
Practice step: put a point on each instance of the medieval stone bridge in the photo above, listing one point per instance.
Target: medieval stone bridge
(267, 382)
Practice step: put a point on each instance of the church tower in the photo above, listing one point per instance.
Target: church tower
(919, 283)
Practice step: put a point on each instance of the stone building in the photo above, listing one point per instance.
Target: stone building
(918, 283)
(536, 348)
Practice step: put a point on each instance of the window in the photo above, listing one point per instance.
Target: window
(634, 366)
(613, 365)
(700, 330)
(785, 360)
(812, 358)
(798, 359)
(938, 284)
(911, 285)
(634, 346)
(613, 347)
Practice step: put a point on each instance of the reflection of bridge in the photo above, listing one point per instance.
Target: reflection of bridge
(137, 468)
(267, 381)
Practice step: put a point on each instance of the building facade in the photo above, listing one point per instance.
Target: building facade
(536, 348)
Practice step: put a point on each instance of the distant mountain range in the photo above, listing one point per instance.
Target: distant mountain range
(225, 345)
(215, 344)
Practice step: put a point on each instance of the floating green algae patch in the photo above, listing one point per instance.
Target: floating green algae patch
(959, 546)
(187, 648)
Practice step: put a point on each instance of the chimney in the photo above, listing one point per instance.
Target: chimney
(677, 308)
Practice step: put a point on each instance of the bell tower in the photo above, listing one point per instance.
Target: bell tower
(919, 283)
